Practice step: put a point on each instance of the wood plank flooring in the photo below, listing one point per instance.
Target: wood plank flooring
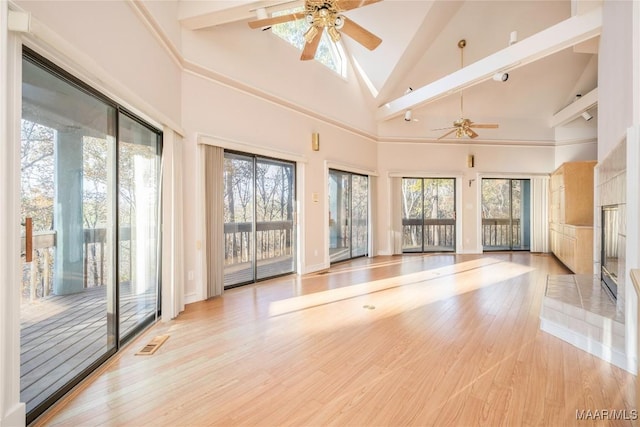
(446, 340)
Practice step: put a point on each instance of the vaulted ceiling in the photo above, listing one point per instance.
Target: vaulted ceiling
(553, 60)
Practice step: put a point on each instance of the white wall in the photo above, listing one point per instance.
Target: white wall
(615, 77)
(416, 159)
(576, 153)
(164, 13)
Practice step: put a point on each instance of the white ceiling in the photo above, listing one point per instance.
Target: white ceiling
(419, 50)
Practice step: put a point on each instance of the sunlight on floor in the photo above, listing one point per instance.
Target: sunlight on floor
(370, 266)
(409, 291)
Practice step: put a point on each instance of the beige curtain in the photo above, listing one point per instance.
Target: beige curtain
(214, 202)
(172, 226)
(539, 214)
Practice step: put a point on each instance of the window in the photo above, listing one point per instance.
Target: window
(506, 219)
(259, 206)
(428, 214)
(90, 189)
(329, 54)
(348, 215)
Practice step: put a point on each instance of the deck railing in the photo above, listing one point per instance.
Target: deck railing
(37, 279)
(495, 232)
(273, 239)
(353, 234)
(439, 233)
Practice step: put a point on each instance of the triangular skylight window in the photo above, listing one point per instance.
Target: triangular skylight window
(329, 54)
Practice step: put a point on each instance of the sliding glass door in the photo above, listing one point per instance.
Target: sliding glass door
(90, 209)
(428, 214)
(348, 215)
(139, 224)
(259, 206)
(506, 210)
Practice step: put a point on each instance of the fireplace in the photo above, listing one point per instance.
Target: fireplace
(610, 250)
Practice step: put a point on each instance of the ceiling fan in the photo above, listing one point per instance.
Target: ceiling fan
(463, 126)
(321, 14)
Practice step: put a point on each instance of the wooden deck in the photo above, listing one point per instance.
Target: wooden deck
(424, 340)
(62, 335)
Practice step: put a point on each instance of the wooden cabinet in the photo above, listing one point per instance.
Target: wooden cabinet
(571, 215)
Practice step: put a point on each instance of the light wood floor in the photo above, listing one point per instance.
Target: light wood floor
(416, 340)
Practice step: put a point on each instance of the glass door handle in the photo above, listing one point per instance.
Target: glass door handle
(28, 239)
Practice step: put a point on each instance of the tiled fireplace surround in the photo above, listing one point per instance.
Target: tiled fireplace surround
(575, 307)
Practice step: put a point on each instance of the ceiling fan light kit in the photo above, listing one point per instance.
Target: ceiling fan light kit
(321, 14)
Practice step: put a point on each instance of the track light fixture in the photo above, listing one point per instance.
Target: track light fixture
(501, 77)
(408, 116)
(585, 115)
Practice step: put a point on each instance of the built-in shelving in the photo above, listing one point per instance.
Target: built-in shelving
(571, 215)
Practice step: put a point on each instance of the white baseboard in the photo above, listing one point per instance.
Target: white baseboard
(314, 268)
(191, 298)
(469, 252)
(15, 417)
(589, 345)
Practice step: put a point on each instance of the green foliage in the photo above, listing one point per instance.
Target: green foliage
(273, 187)
(496, 202)
(36, 172)
(432, 198)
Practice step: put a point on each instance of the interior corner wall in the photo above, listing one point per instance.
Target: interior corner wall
(221, 112)
(415, 159)
(575, 153)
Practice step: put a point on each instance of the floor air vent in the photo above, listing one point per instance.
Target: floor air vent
(153, 345)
